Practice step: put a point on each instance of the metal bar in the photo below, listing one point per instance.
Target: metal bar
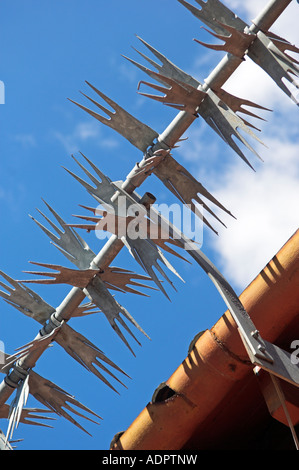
(166, 140)
(269, 15)
(285, 409)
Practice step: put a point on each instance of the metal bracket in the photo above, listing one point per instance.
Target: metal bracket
(280, 365)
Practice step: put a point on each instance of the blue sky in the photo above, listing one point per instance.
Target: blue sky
(48, 51)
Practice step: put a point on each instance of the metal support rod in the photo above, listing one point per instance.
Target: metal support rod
(166, 140)
(285, 409)
(269, 15)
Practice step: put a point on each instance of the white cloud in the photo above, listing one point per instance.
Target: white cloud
(265, 204)
(86, 130)
(26, 140)
(284, 26)
(82, 132)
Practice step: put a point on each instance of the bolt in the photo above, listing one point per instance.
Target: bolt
(255, 333)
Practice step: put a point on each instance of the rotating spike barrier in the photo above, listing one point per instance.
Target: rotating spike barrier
(134, 223)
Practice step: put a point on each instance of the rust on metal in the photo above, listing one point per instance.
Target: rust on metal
(236, 43)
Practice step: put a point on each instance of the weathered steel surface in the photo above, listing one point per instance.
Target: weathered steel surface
(217, 107)
(179, 95)
(235, 42)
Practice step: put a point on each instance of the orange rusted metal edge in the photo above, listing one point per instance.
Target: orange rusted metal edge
(218, 361)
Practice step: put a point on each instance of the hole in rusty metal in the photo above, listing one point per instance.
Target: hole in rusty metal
(116, 439)
(193, 342)
(162, 393)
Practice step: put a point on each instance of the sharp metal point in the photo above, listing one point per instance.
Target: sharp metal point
(70, 244)
(137, 133)
(58, 400)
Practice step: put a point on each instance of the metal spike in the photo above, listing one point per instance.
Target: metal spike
(109, 223)
(172, 71)
(98, 293)
(121, 280)
(87, 354)
(138, 134)
(57, 400)
(29, 303)
(143, 248)
(119, 226)
(283, 45)
(226, 123)
(28, 415)
(78, 347)
(103, 191)
(220, 117)
(115, 278)
(34, 345)
(236, 104)
(274, 62)
(87, 308)
(148, 227)
(147, 254)
(212, 10)
(106, 192)
(16, 407)
(168, 69)
(31, 347)
(181, 183)
(26, 300)
(180, 95)
(236, 43)
(71, 245)
(104, 178)
(77, 278)
(267, 53)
